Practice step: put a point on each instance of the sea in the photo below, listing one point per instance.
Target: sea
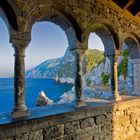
(32, 89)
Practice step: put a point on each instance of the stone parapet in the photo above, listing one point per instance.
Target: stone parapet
(97, 121)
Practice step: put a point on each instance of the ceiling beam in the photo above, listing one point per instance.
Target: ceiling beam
(128, 4)
(138, 14)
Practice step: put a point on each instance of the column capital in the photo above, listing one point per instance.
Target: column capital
(79, 53)
(20, 39)
(80, 45)
(114, 57)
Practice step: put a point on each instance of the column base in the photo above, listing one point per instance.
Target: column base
(19, 114)
(80, 104)
(116, 98)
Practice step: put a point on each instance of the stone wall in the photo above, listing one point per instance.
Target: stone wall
(106, 121)
(78, 18)
(126, 121)
(82, 16)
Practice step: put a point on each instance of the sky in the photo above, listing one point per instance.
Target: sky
(47, 41)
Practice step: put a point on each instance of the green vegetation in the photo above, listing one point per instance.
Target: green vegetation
(101, 86)
(88, 82)
(92, 59)
(105, 78)
(122, 67)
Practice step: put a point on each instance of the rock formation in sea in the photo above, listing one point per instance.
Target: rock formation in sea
(57, 79)
(43, 100)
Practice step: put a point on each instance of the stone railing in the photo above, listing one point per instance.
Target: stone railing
(98, 121)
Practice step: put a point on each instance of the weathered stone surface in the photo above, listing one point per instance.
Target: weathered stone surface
(83, 134)
(81, 17)
(37, 135)
(109, 117)
(53, 132)
(119, 123)
(72, 127)
(89, 122)
(100, 119)
(7, 139)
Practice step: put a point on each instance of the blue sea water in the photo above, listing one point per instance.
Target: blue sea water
(32, 89)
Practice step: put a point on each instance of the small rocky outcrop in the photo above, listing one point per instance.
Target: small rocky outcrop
(57, 79)
(43, 100)
(68, 80)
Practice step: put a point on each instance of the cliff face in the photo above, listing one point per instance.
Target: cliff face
(96, 70)
(64, 66)
(46, 69)
(96, 74)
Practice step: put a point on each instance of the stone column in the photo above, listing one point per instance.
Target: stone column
(20, 109)
(114, 76)
(78, 78)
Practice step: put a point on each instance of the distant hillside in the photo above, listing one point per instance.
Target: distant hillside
(92, 59)
(65, 66)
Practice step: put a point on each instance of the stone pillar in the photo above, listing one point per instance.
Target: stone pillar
(20, 109)
(114, 76)
(78, 77)
(136, 77)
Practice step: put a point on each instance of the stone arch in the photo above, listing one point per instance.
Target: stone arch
(106, 25)
(4, 18)
(63, 20)
(111, 44)
(9, 15)
(132, 42)
(107, 35)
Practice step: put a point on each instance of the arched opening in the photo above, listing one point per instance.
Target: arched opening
(9, 15)
(6, 74)
(97, 81)
(95, 52)
(49, 61)
(128, 68)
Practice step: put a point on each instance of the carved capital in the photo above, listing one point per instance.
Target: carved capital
(22, 35)
(79, 46)
(20, 40)
(114, 57)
